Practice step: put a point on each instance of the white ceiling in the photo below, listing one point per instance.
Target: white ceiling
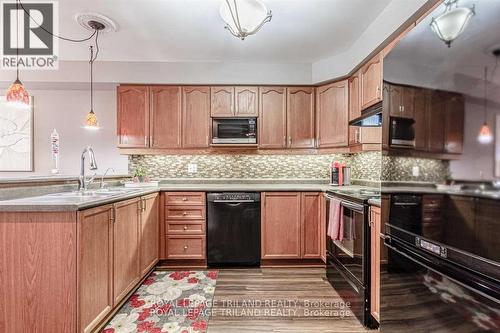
(301, 31)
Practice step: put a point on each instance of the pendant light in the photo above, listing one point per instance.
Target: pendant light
(450, 24)
(485, 134)
(17, 95)
(244, 17)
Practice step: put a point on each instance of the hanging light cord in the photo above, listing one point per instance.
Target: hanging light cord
(91, 62)
(486, 94)
(17, 40)
(51, 33)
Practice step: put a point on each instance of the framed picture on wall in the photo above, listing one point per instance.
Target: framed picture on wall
(16, 137)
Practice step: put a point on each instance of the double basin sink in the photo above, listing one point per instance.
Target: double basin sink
(93, 194)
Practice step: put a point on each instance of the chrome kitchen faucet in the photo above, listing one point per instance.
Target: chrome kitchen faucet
(82, 182)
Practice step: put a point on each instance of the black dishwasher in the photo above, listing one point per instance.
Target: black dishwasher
(233, 232)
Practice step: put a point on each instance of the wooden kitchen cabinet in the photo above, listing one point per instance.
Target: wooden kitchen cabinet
(371, 82)
(354, 96)
(195, 117)
(401, 101)
(133, 116)
(272, 117)
(311, 222)
(436, 121)
(149, 233)
(166, 117)
(222, 101)
(300, 117)
(281, 225)
(332, 115)
(126, 272)
(375, 225)
(291, 225)
(454, 124)
(246, 101)
(95, 266)
(420, 117)
(234, 101)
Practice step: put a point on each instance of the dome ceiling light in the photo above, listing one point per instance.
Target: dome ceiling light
(244, 17)
(450, 24)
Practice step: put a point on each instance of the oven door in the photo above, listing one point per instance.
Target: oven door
(349, 252)
(237, 131)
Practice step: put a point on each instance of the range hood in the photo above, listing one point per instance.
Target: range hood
(370, 117)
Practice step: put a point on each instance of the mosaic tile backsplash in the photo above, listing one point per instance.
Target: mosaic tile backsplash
(400, 169)
(365, 166)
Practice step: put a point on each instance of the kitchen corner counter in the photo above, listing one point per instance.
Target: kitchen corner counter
(54, 202)
(375, 202)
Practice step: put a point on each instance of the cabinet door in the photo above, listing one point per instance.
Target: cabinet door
(222, 101)
(95, 266)
(272, 117)
(246, 101)
(436, 121)
(408, 102)
(354, 97)
(375, 220)
(281, 225)
(300, 117)
(394, 94)
(149, 233)
(195, 117)
(487, 229)
(166, 117)
(420, 116)
(454, 124)
(371, 82)
(133, 116)
(125, 248)
(311, 222)
(333, 115)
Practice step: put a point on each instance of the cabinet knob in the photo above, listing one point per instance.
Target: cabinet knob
(184, 199)
(185, 227)
(185, 247)
(184, 213)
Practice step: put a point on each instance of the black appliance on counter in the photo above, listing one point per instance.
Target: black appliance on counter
(402, 132)
(446, 287)
(348, 260)
(234, 130)
(233, 229)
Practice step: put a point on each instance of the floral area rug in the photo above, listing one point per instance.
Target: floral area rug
(168, 302)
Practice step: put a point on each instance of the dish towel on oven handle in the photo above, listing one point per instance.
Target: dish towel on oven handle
(335, 228)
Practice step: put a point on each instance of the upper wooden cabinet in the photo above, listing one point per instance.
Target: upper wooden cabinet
(234, 101)
(195, 117)
(435, 121)
(454, 124)
(354, 96)
(246, 101)
(272, 117)
(401, 100)
(420, 117)
(332, 115)
(371, 82)
(222, 101)
(300, 117)
(166, 117)
(133, 116)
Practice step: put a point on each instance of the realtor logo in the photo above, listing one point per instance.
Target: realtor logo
(24, 33)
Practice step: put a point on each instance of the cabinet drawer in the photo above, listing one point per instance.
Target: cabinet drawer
(185, 198)
(185, 248)
(185, 212)
(185, 228)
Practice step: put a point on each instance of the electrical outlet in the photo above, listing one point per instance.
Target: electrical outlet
(415, 171)
(192, 168)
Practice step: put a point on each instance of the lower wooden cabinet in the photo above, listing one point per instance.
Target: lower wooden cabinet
(149, 233)
(95, 266)
(375, 222)
(291, 225)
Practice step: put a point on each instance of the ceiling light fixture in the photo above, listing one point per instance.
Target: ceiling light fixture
(17, 95)
(91, 118)
(485, 134)
(450, 24)
(244, 17)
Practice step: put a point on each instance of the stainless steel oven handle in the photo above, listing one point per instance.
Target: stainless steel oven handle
(352, 206)
(405, 204)
(232, 201)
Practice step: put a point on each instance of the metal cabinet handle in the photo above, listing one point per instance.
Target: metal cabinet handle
(185, 227)
(184, 213)
(184, 199)
(145, 141)
(185, 247)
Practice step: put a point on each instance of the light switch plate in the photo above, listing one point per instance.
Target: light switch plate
(192, 168)
(415, 171)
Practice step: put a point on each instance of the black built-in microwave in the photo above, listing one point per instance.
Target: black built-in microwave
(402, 132)
(234, 130)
